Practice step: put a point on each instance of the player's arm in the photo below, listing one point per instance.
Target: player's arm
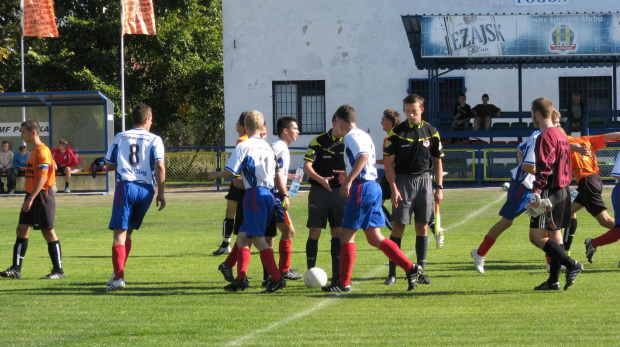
(358, 165)
(280, 184)
(438, 169)
(499, 112)
(309, 171)
(220, 174)
(160, 177)
(390, 175)
(610, 137)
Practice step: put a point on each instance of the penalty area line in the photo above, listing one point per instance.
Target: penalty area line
(330, 300)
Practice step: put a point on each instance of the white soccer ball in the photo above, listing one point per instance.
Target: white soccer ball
(505, 186)
(315, 278)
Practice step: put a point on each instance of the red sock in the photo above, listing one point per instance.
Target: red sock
(243, 261)
(485, 246)
(127, 248)
(611, 236)
(119, 256)
(285, 255)
(268, 260)
(231, 260)
(390, 248)
(347, 259)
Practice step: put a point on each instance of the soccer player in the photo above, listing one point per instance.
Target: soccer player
(255, 160)
(389, 120)
(64, 160)
(613, 234)
(232, 199)
(138, 158)
(412, 150)
(324, 155)
(363, 206)
(589, 183)
(518, 195)
(517, 198)
(39, 208)
(549, 206)
(288, 131)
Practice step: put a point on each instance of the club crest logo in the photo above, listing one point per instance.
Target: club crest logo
(426, 143)
(563, 38)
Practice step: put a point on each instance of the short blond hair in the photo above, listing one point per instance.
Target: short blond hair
(254, 121)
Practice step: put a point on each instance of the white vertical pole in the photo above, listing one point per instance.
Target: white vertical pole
(21, 4)
(122, 65)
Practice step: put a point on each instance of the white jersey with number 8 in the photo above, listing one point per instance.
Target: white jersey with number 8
(135, 152)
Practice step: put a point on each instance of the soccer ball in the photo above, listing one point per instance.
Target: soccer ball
(505, 186)
(315, 278)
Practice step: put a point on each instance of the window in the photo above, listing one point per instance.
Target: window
(304, 100)
(595, 91)
(449, 90)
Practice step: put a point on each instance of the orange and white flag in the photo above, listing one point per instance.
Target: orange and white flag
(39, 19)
(139, 17)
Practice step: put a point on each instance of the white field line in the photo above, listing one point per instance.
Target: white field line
(330, 300)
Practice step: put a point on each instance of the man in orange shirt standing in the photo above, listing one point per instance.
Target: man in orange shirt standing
(589, 183)
(39, 207)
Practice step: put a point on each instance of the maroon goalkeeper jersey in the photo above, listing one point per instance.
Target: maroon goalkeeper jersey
(552, 160)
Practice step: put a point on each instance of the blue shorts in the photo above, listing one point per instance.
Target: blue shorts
(131, 202)
(363, 206)
(258, 205)
(615, 202)
(276, 217)
(517, 198)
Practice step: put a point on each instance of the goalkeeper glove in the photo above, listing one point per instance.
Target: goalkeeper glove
(539, 207)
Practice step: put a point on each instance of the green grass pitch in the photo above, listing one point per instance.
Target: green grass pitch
(174, 292)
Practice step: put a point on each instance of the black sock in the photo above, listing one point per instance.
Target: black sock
(53, 248)
(312, 249)
(555, 251)
(554, 270)
(227, 231)
(66, 184)
(569, 233)
(335, 253)
(391, 264)
(388, 217)
(421, 247)
(19, 252)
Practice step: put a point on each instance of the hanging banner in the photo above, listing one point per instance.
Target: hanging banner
(11, 129)
(139, 17)
(39, 19)
(520, 35)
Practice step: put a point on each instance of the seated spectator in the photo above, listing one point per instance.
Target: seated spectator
(20, 159)
(6, 163)
(575, 114)
(64, 160)
(462, 115)
(484, 112)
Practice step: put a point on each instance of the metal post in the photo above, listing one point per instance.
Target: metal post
(122, 66)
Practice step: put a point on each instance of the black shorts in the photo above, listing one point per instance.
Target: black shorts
(42, 211)
(590, 189)
(233, 193)
(239, 212)
(324, 206)
(272, 230)
(386, 192)
(559, 216)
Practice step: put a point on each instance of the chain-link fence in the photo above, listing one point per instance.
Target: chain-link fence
(192, 165)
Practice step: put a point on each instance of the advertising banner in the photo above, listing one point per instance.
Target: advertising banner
(520, 35)
(139, 17)
(39, 18)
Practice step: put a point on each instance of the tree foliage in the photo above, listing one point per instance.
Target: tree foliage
(178, 72)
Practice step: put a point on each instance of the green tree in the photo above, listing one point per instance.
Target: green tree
(178, 72)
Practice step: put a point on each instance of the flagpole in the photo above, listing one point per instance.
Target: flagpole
(122, 65)
(22, 58)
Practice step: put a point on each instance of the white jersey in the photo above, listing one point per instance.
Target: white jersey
(616, 170)
(255, 161)
(134, 152)
(527, 148)
(283, 156)
(358, 142)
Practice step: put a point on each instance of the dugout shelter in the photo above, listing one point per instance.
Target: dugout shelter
(84, 118)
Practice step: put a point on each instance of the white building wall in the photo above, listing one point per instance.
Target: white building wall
(360, 49)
